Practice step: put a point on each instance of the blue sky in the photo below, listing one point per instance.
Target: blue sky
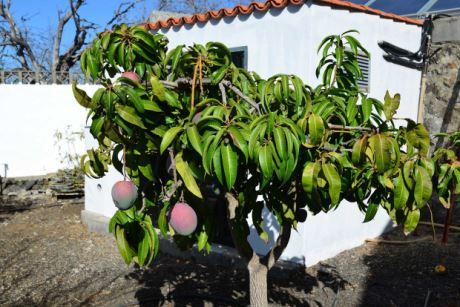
(43, 14)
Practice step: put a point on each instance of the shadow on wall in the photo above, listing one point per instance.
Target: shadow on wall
(450, 110)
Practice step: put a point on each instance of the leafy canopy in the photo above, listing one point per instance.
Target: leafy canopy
(197, 126)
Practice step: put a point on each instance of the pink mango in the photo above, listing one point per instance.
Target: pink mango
(183, 219)
(196, 117)
(131, 75)
(124, 193)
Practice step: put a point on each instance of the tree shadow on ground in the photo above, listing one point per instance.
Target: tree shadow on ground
(405, 275)
(186, 282)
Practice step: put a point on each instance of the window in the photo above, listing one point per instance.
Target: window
(364, 63)
(240, 56)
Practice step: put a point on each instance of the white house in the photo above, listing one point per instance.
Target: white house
(282, 36)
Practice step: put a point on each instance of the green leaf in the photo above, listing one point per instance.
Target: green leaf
(184, 171)
(135, 99)
(358, 151)
(202, 240)
(334, 181)
(143, 248)
(93, 64)
(418, 137)
(218, 74)
(310, 176)
(315, 128)
(265, 161)
(169, 137)
(280, 143)
(123, 245)
(230, 164)
(151, 106)
(217, 165)
(457, 181)
(96, 126)
(163, 221)
(194, 138)
(366, 107)
(129, 115)
(372, 207)
(239, 140)
(411, 221)
(158, 89)
(208, 153)
(391, 105)
(381, 149)
(146, 37)
(401, 193)
(146, 168)
(423, 186)
(82, 98)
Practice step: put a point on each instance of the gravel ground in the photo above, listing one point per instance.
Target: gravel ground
(48, 258)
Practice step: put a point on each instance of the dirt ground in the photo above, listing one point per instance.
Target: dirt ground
(48, 258)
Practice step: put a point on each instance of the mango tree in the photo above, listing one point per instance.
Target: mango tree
(186, 123)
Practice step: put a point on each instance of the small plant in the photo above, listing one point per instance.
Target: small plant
(65, 141)
(193, 119)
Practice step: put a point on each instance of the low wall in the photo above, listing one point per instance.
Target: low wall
(30, 115)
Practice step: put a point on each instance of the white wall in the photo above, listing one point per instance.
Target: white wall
(285, 41)
(29, 118)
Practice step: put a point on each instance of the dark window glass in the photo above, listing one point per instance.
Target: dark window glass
(240, 56)
(400, 7)
(445, 5)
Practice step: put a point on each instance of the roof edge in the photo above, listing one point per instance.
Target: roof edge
(265, 6)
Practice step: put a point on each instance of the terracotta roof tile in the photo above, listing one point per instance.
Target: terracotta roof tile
(264, 6)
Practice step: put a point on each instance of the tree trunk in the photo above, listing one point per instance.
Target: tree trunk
(258, 266)
(257, 283)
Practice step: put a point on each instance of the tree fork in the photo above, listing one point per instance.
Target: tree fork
(258, 266)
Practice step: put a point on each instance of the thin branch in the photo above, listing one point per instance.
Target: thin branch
(239, 93)
(121, 11)
(379, 241)
(15, 35)
(349, 128)
(188, 81)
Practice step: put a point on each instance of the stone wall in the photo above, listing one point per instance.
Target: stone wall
(441, 103)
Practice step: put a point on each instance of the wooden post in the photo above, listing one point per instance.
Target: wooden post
(37, 76)
(449, 214)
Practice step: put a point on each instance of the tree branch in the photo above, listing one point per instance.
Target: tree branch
(188, 81)
(223, 93)
(19, 40)
(280, 245)
(60, 29)
(71, 56)
(350, 128)
(240, 240)
(120, 11)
